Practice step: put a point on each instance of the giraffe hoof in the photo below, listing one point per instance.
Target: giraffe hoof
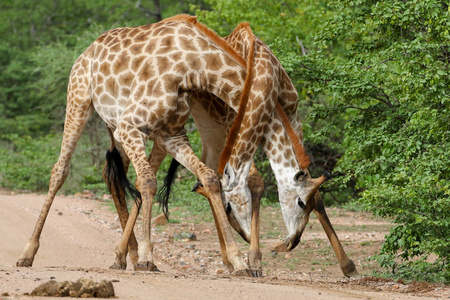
(349, 269)
(24, 262)
(117, 266)
(256, 273)
(241, 273)
(146, 266)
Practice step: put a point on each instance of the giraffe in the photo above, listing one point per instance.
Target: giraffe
(138, 80)
(213, 117)
(245, 135)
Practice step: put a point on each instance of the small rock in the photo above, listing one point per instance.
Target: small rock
(219, 271)
(88, 194)
(279, 247)
(192, 237)
(173, 209)
(185, 236)
(288, 255)
(83, 287)
(206, 231)
(160, 220)
(177, 236)
(274, 254)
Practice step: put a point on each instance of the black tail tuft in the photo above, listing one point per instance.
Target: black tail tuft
(115, 174)
(164, 193)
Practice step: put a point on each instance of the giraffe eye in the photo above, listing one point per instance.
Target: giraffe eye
(228, 208)
(301, 204)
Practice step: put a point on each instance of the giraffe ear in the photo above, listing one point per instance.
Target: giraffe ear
(300, 176)
(228, 177)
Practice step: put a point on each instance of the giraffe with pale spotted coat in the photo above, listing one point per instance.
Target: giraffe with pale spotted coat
(212, 117)
(138, 80)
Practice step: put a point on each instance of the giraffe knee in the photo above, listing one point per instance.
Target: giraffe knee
(212, 184)
(148, 184)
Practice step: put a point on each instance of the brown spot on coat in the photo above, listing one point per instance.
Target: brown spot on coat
(126, 79)
(146, 72)
(122, 63)
(137, 49)
(163, 64)
(112, 87)
(213, 62)
(136, 63)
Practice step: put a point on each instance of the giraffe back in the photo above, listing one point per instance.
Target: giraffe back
(142, 69)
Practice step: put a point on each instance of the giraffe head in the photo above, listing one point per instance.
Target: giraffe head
(297, 198)
(297, 191)
(237, 201)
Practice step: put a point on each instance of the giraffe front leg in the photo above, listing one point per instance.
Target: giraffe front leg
(347, 265)
(114, 174)
(145, 263)
(179, 147)
(148, 190)
(73, 127)
(147, 185)
(134, 147)
(256, 186)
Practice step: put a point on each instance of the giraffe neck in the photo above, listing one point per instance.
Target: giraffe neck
(279, 149)
(262, 99)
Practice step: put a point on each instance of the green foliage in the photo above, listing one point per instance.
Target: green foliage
(27, 163)
(390, 85)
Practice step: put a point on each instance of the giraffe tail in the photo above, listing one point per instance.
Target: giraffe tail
(164, 193)
(117, 177)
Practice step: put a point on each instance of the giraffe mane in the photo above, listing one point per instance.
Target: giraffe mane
(237, 122)
(299, 150)
(247, 64)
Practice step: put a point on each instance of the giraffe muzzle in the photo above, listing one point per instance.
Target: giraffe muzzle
(293, 240)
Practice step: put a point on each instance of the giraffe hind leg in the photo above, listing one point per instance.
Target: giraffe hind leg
(146, 183)
(117, 177)
(115, 169)
(78, 112)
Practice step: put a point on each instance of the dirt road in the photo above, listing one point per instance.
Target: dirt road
(80, 235)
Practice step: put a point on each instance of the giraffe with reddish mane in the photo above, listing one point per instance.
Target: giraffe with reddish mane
(138, 80)
(298, 192)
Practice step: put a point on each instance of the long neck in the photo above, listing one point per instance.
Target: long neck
(279, 150)
(262, 98)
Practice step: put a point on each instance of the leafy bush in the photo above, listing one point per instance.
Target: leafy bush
(391, 87)
(27, 163)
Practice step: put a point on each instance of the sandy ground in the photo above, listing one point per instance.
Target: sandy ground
(80, 235)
